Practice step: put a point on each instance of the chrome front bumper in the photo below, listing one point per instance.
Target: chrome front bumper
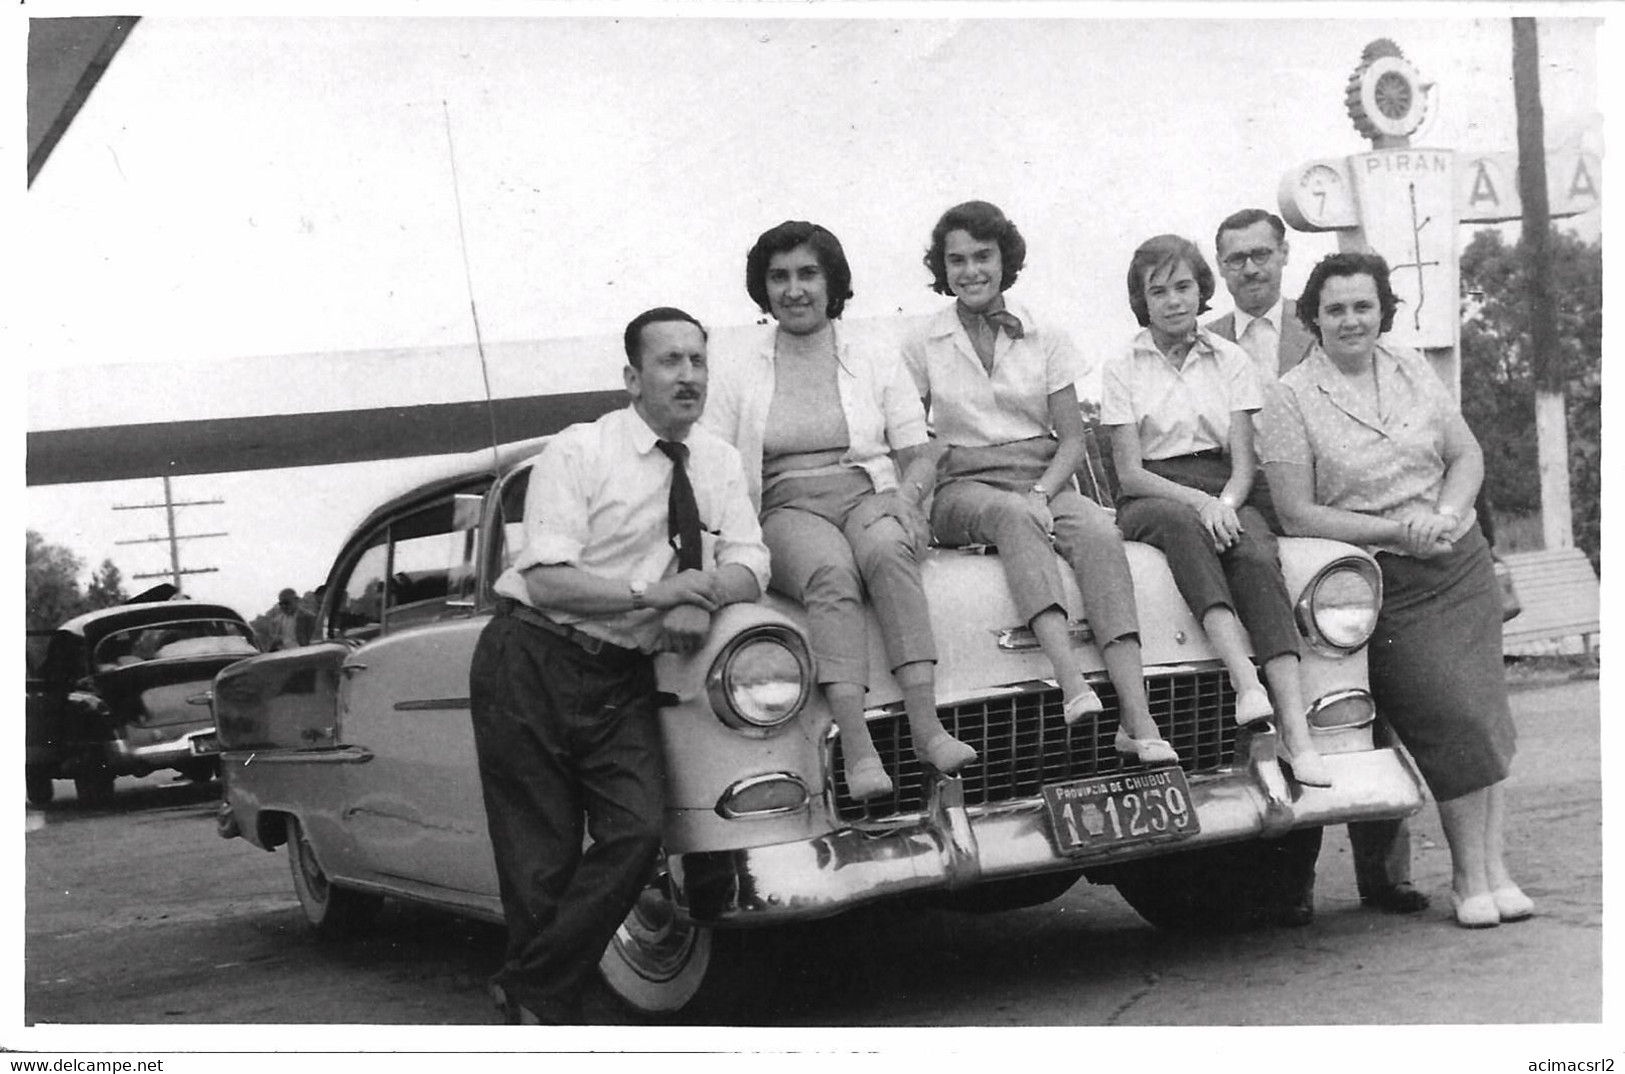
(138, 760)
(951, 847)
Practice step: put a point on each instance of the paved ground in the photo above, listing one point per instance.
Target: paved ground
(141, 915)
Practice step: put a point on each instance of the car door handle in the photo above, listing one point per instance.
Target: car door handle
(351, 667)
(206, 697)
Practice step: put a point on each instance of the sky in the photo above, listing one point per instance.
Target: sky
(248, 210)
(257, 215)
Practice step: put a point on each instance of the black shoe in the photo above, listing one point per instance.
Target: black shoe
(1396, 899)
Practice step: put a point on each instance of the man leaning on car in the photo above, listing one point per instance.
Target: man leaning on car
(637, 529)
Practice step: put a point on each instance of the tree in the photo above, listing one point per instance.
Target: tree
(52, 592)
(106, 587)
(1497, 377)
(52, 587)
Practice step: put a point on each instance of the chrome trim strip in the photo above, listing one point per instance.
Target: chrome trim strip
(341, 755)
(1021, 639)
(433, 704)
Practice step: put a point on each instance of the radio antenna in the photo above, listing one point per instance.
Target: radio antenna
(468, 282)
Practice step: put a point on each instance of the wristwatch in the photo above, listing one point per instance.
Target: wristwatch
(1038, 487)
(639, 592)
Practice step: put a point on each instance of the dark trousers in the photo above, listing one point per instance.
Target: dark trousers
(567, 742)
(1382, 858)
(1246, 577)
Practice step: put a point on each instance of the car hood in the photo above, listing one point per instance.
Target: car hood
(982, 642)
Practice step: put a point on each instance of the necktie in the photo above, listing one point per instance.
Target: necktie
(1006, 320)
(682, 512)
(1261, 341)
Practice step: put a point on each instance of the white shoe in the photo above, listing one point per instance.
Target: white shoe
(1512, 904)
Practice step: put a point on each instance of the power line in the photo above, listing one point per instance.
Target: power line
(172, 538)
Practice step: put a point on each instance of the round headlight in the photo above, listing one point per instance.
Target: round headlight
(1338, 609)
(761, 679)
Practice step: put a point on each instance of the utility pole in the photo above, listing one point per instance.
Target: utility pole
(170, 503)
(1545, 357)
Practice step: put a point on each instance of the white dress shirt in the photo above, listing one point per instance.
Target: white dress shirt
(597, 500)
(1260, 337)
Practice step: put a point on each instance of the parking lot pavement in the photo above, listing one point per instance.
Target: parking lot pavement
(140, 914)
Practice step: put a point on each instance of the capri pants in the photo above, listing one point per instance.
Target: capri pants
(1246, 577)
(982, 499)
(832, 540)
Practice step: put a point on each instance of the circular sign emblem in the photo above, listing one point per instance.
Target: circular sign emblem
(1386, 98)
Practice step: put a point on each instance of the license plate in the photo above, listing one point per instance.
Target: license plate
(1088, 815)
(205, 744)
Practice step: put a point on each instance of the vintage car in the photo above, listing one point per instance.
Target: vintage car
(357, 754)
(125, 691)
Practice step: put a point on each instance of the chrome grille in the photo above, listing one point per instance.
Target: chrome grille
(1022, 742)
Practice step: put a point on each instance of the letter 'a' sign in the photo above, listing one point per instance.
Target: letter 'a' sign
(1487, 185)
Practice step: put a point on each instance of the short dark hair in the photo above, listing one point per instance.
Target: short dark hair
(633, 339)
(985, 222)
(782, 238)
(1246, 218)
(1156, 254)
(1347, 263)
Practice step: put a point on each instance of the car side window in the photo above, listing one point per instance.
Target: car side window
(510, 522)
(358, 611)
(431, 562)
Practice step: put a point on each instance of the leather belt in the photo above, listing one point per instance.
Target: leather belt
(589, 643)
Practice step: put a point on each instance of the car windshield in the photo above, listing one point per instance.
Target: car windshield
(170, 641)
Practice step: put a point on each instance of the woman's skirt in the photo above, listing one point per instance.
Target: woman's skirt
(1436, 669)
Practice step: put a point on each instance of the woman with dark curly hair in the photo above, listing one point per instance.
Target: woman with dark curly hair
(1180, 402)
(1001, 387)
(1363, 443)
(824, 425)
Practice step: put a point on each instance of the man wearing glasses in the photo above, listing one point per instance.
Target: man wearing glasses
(1252, 250)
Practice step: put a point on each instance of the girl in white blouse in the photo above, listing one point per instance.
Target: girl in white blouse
(1179, 403)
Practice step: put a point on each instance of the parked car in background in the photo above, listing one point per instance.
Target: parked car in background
(356, 754)
(125, 691)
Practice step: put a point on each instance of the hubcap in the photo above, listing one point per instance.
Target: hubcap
(315, 879)
(652, 940)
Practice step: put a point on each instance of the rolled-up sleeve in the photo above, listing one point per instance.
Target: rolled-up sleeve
(1282, 433)
(555, 522)
(739, 533)
(900, 399)
(1243, 383)
(914, 360)
(1116, 399)
(1063, 363)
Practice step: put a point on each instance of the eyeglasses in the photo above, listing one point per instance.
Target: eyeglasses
(1258, 255)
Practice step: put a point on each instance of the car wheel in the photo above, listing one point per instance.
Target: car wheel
(41, 788)
(659, 965)
(94, 790)
(995, 896)
(332, 910)
(1218, 889)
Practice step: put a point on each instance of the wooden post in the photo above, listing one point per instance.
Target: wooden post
(1545, 357)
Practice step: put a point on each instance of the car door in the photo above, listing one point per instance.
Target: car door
(414, 810)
